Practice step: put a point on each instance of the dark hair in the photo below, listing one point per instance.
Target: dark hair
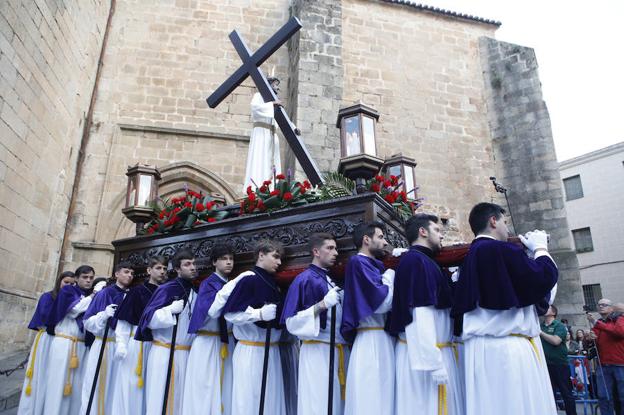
(413, 225)
(83, 269)
(318, 239)
(220, 250)
(155, 260)
(555, 309)
(366, 229)
(481, 214)
(179, 256)
(57, 283)
(122, 265)
(266, 246)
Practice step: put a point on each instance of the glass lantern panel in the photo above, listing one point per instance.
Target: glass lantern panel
(131, 195)
(352, 136)
(409, 181)
(368, 130)
(145, 190)
(394, 170)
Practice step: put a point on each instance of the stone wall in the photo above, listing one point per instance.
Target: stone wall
(422, 73)
(525, 159)
(48, 59)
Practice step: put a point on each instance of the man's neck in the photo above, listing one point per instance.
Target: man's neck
(261, 267)
(422, 243)
(123, 287)
(317, 263)
(366, 252)
(153, 281)
(223, 277)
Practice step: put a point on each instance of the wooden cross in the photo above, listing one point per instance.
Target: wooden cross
(250, 67)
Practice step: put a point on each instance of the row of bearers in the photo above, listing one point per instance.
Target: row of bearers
(405, 342)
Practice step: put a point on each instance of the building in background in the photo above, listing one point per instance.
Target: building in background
(594, 199)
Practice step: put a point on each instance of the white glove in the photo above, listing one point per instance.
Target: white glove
(267, 312)
(120, 351)
(440, 377)
(387, 278)
(534, 240)
(176, 307)
(110, 310)
(332, 297)
(99, 286)
(399, 251)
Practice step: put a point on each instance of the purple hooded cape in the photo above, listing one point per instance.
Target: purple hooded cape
(255, 291)
(207, 291)
(499, 276)
(176, 289)
(418, 282)
(132, 307)
(44, 306)
(67, 298)
(363, 294)
(307, 289)
(111, 294)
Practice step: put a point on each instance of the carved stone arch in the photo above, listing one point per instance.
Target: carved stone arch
(173, 178)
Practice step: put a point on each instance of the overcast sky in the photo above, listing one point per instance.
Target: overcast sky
(580, 53)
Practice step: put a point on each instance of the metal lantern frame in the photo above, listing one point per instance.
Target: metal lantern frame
(407, 171)
(141, 191)
(363, 114)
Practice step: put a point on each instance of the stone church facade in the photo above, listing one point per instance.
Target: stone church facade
(89, 88)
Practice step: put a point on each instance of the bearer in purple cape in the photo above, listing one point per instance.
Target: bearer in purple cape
(497, 292)
(98, 315)
(311, 299)
(427, 375)
(208, 383)
(367, 299)
(253, 305)
(67, 350)
(33, 390)
(172, 301)
(131, 354)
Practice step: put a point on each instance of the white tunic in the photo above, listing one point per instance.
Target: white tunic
(208, 383)
(32, 404)
(264, 152)
(128, 396)
(314, 360)
(425, 346)
(162, 329)
(247, 367)
(102, 402)
(504, 365)
(60, 376)
(370, 378)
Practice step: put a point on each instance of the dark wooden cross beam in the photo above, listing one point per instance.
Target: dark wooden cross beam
(250, 67)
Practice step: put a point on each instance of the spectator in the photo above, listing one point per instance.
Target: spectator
(608, 333)
(553, 337)
(579, 338)
(572, 345)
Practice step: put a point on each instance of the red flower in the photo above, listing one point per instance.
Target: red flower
(266, 183)
(287, 196)
(175, 210)
(263, 189)
(275, 193)
(211, 220)
(375, 188)
(387, 183)
(307, 184)
(210, 205)
(404, 196)
(260, 205)
(280, 177)
(168, 222)
(390, 198)
(200, 207)
(150, 230)
(188, 205)
(162, 214)
(302, 189)
(379, 178)
(197, 222)
(252, 197)
(249, 190)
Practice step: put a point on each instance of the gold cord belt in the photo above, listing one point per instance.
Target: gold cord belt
(73, 361)
(168, 345)
(264, 125)
(342, 376)
(532, 341)
(31, 367)
(257, 344)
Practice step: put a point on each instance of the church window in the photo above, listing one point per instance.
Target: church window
(573, 187)
(583, 240)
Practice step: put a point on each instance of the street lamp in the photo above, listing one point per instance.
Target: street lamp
(141, 192)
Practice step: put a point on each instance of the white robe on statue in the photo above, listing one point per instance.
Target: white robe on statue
(264, 152)
(208, 383)
(68, 341)
(162, 329)
(32, 404)
(370, 378)
(314, 360)
(247, 367)
(504, 364)
(128, 395)
(425, 346)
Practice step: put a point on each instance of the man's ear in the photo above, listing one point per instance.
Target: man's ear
(422, 231)
(492, 221)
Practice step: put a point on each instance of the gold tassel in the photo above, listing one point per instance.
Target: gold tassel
(73, 361)
(140, 382)
(31, 366)
(139, 367)
(67, 390)
(29, 372)
(28, 389)
(224, 351)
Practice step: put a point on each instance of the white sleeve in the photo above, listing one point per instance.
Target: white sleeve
(304, 323)
(387, 302)
(223, 294)
(96, 323)
(122, 332)
(259, 108)
(250, 315)
(553, 292)
(81, 307)
(422, 350)
(162, 319)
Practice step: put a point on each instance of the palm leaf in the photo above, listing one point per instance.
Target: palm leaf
(336, 185)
